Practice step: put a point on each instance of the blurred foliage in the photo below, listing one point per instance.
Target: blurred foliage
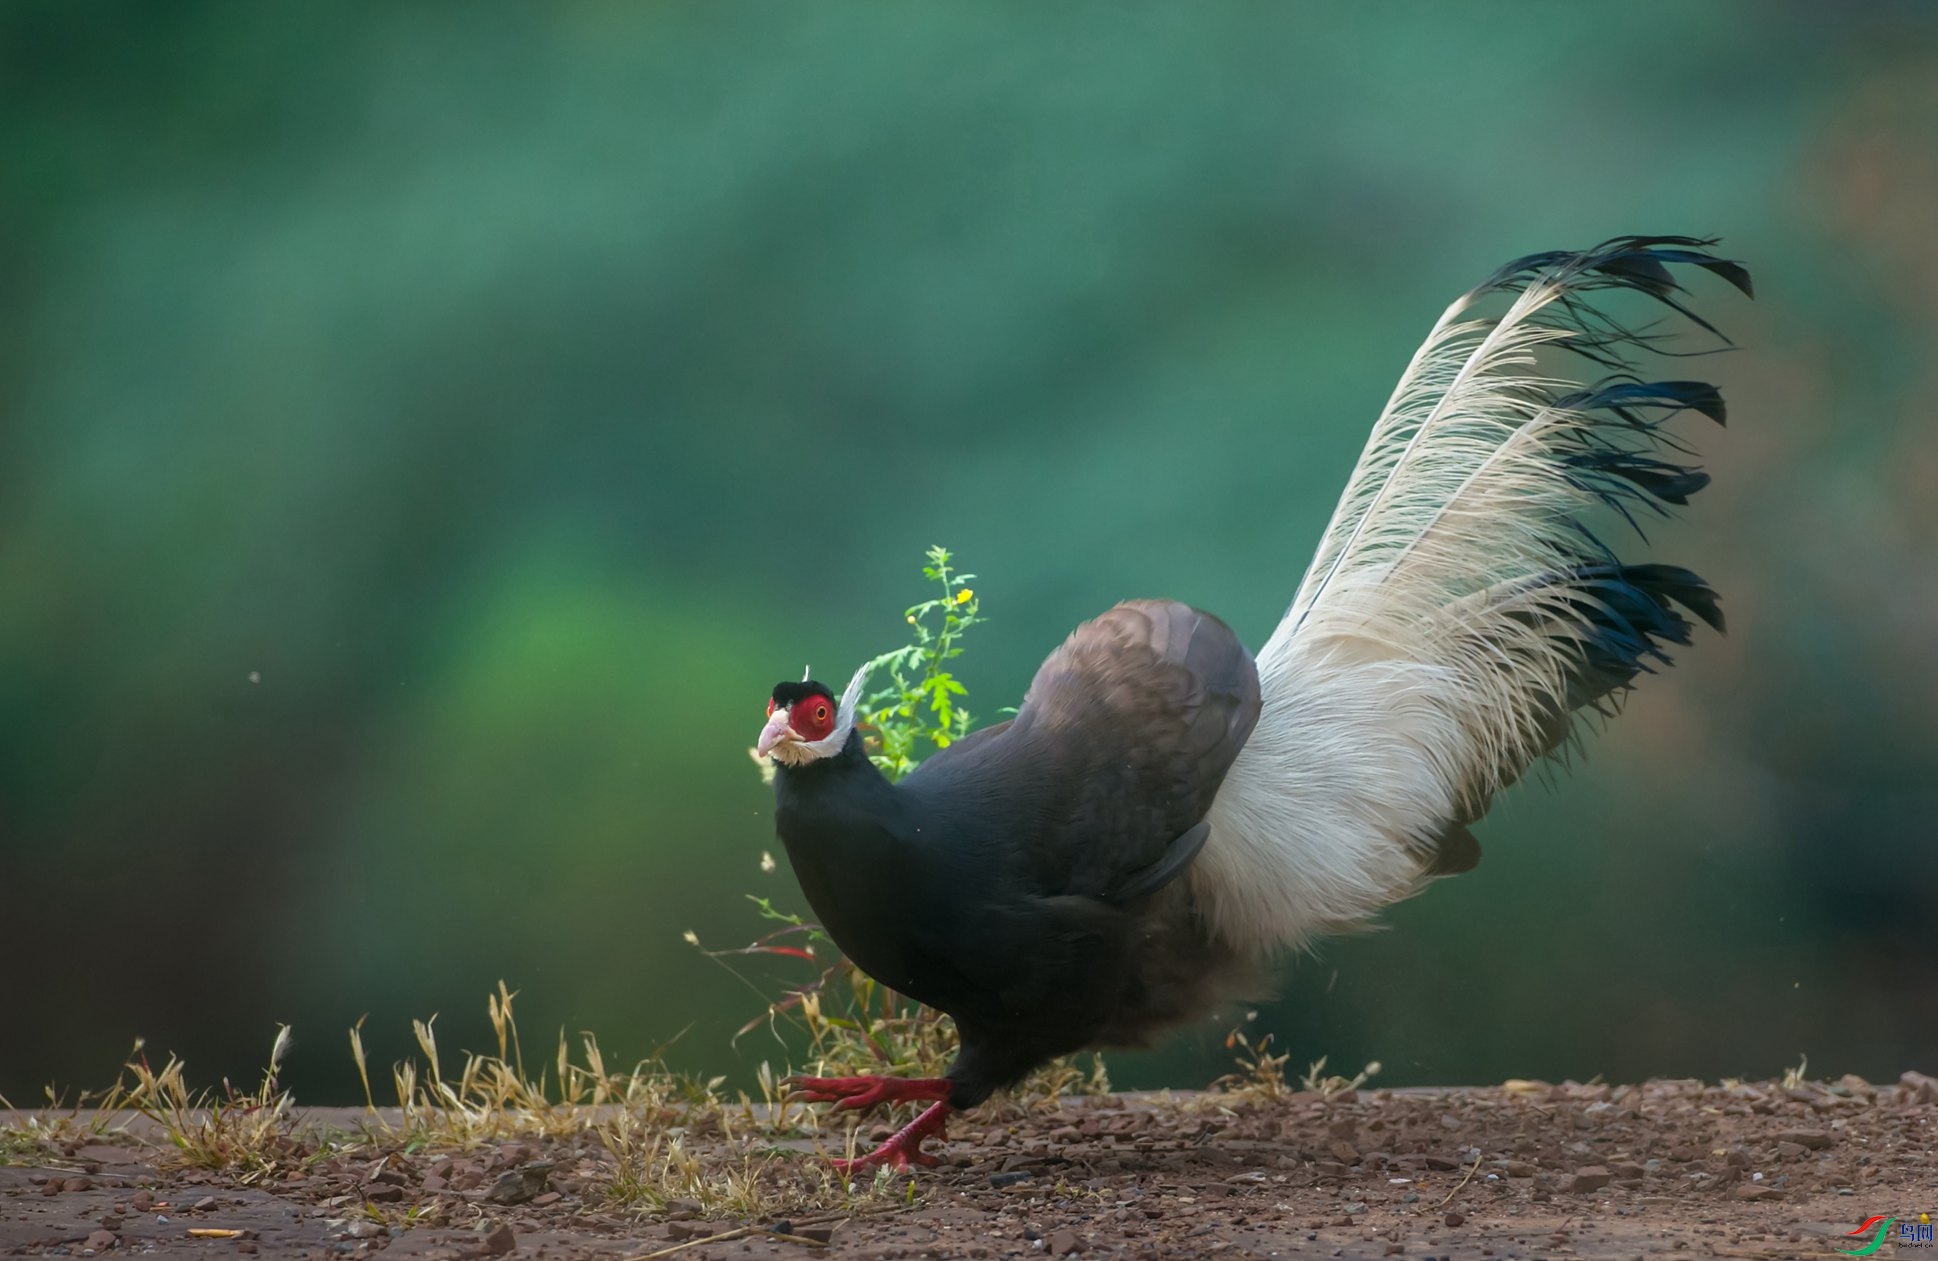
(426, 434)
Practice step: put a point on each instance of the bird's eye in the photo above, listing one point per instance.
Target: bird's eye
(820, 713)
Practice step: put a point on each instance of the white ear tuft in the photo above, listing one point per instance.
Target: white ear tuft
(846, 712)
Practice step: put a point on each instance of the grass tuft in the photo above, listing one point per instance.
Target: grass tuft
(245, 1133)
(1261, 1073)
(494, 1096)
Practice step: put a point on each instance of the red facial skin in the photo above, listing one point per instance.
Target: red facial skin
(812, 718)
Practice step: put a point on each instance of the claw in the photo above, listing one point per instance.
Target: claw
(905, 1148)
(857, 1094)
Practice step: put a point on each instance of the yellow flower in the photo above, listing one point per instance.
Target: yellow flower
(963, 596)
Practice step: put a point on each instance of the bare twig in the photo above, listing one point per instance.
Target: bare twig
(1463, 1182)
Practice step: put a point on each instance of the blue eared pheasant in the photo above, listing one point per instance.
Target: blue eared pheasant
(1166, 813)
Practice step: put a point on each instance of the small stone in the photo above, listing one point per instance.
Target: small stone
(245, 1245)
(1815, 1140)
(1455, 1219)
(820, 1234)
(1920, 1088)
(143, 1200)
(1442, 1163)
(1755, 1191)
(383, 1193)
(520, 1186)
(99, 1241)
(499, 1240)
(202, 1205)
(549, 1198)
(1001, 1180)
(52, 1186)
(77, 1184)
(364, 1230)
(1059, 1242)
(1589, 1178)
(1791, 1151)
(1345, 1153)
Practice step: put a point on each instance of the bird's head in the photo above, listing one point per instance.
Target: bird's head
(805, 722)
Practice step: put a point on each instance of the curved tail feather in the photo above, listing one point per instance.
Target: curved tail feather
(1461, 609)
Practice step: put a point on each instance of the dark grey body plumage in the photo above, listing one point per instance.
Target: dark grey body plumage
(1025, 880)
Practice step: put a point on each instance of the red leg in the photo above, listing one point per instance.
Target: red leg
(905, 1147)
(860, 1093)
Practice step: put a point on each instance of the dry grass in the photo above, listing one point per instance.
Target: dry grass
(653, 1171)
(254, 1134)
(46, 1136)
(1261, 1074)
(245, 1133)
(494, 1097)
(665, 1139)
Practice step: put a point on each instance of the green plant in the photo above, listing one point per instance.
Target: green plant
(918, 705)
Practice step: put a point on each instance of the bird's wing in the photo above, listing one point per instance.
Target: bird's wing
(1136, 717)
(1460, 610)
(1096, 786)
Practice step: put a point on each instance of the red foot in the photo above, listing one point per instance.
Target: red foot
(858, 1094)
(905, 1148)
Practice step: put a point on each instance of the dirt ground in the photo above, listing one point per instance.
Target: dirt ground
(1665, 1169)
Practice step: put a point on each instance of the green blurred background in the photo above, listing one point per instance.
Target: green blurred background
(428, 431)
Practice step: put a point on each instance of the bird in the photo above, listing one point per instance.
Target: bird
(1167, 815)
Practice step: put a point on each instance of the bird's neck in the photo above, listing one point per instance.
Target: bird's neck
(836, 792)
(842, 823)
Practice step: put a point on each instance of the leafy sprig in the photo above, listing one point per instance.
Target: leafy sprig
(920, 704)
